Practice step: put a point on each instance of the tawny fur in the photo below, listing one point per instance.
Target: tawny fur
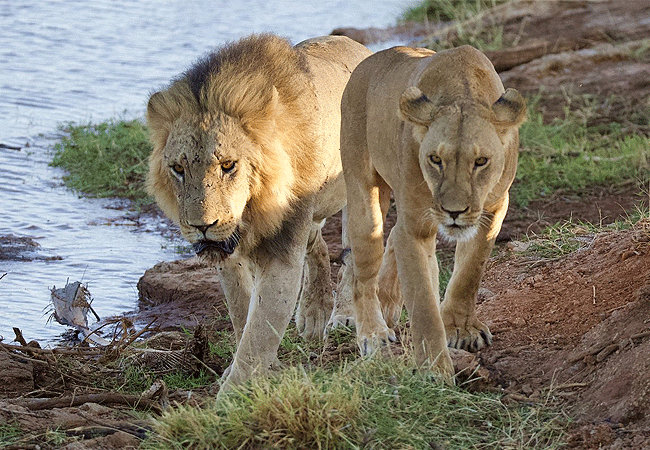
(246, 159)
(438, 131)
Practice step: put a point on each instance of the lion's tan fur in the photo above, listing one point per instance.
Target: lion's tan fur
(243, 88)
(438, 131)
(246, 159)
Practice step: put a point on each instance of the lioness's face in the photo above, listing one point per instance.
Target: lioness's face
(209, 172)
(467, 154)
(462, 159)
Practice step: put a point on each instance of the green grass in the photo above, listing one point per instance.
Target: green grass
(105, 160)
(571, 155)
(564, 238)
(380, 403)
(446, 10)
(483, 35)
(9, 434)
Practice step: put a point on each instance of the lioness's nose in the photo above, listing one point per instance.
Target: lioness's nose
(454, 214)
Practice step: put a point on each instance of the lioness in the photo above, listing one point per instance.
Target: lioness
(246, 159)
(438, 130)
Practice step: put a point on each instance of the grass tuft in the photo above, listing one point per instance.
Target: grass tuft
(572, 154)
(292, 411)
(446, 10)
(9, 434)
(463, 26)
(108, 159)
(379, 403)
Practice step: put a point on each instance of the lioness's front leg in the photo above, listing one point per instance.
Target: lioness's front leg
(463, 329)
(315, 303)
(418, 277)
(366, 238)
(272, 304)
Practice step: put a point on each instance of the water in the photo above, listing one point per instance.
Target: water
(78, 61)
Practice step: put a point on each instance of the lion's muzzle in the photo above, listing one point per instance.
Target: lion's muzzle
(222, 248)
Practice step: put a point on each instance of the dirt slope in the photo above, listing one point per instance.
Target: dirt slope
(579, 328)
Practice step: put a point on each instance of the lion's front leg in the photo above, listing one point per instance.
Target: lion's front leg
(315, 303)
(464, 330)
(277, 285)
(237, 284)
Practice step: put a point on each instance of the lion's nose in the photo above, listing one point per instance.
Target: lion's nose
(454, 214)
(204, 228)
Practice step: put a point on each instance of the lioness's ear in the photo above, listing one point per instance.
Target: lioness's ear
(510, 108)
(416, 107)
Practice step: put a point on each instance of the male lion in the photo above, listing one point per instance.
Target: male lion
(438, 130)
(246, 159)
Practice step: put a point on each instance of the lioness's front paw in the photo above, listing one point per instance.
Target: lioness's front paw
(370, 343)
(472, 338)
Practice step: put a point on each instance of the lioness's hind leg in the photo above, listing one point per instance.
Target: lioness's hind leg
(343, 312)
(316, 302)
(389, 293)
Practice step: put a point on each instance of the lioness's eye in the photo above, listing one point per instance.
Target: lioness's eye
(228, 166)
(178, 169)
(480, 161)
(435, 159)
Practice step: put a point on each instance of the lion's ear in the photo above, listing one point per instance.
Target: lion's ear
(510, 109)
(416, 107)
(157, 108)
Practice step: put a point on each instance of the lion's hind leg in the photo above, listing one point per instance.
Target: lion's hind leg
(316, 297)
(343, 312)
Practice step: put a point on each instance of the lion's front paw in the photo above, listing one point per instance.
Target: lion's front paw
(471, 337)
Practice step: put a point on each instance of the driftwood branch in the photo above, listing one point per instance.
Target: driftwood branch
(133, 401)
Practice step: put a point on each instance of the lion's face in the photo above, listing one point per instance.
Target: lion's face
(463, 154)
(209, 173)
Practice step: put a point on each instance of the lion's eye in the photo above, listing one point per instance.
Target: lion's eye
(178, 169)
(435, 159)
(480, 161)
(228, 166)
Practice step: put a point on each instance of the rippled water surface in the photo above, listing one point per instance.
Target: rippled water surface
(79, 61)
